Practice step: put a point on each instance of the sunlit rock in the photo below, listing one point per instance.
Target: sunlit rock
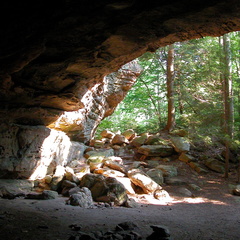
(142, 180)
(129, 134)
(180, 144)
(35, 151)
(119, 139)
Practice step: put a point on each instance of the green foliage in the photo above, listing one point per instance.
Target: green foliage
(198, 90)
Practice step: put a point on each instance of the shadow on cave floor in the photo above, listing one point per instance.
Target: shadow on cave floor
(212, 214)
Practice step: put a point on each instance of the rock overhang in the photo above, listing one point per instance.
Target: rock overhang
(54, 53)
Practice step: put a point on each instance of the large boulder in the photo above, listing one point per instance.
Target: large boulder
(180, 144)
(83, 198)
(139, 178)
(105, 189)
(156, 150)
(215, 165)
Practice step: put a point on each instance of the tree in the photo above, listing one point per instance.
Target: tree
(227, 96)
(170, 89)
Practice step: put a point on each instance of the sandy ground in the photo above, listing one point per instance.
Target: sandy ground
(212, 214)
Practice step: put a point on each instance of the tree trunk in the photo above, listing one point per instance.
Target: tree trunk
(227, 97)
(170, 89)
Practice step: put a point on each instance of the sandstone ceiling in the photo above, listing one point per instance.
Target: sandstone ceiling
(53, 52)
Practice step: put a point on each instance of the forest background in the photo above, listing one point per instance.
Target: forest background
(192, 85)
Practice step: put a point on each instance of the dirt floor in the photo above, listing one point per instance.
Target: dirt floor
(213, 213)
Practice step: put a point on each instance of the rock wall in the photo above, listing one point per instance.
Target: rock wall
(99, 102)
(34, 151)
(55, 56)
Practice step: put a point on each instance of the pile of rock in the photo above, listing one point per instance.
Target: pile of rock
(118, 166)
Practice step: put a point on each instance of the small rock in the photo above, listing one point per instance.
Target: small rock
(161, 194)
(128, 225)
(159, 232)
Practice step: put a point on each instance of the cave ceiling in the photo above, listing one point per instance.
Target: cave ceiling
(52, 52)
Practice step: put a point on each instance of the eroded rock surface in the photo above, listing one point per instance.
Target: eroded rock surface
(55, 57)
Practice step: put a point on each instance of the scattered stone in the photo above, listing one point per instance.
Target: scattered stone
(156, 150)
(114, 159)
(131, 203)
(82, 198)
(197, 167)
(124, 226)
(115, 166)
(215, 165)
(45, 195)
(89, 179)
(109, 172)
(180, 144)
(98, 156)
(74, 190)
(142, 180)
(105, 188)
(119, 140)
(194, 187)
(129, 134)
(184, 192)
(159, 232)
(127, 184)
(107, 134)
(161, 195)
(138, 141)
(12, 188)
(168, 170)
(94, 166)
(68, 184)
(184, 157)
(175, 181)
(48, 194)
(156, 175)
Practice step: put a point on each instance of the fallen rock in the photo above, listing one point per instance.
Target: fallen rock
(107, 172)
(142, 180)
(83, 198)
(45, 195)
(180, 144)
(215, 165)
(107, 134)
(129, 134)
(119, 139)
(114, 165)
(168, 170)
(184, 157)
(105, 189)
(159, 232)
(98, 156)
(127, 184)
(131, 203)
(161, 195)
(138, 141)
(156, 150)
(12, 188)
(156, 175)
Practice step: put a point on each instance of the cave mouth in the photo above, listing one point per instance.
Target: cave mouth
(57, 64)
